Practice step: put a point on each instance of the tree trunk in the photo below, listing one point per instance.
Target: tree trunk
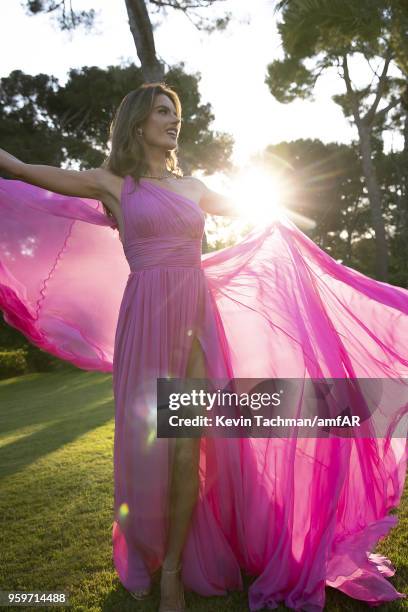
(374, 196)
(348, 248)
(142, 32)
(404, 181)
(406, 132)
(403, 178)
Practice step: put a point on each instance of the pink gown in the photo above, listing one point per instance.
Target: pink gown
(298, 514)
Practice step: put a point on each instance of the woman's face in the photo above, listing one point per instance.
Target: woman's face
(162, 127)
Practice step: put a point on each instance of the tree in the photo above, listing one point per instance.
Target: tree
(140, 23)
(72, 121)
(329, 34)
(393, 174)
(326, 186)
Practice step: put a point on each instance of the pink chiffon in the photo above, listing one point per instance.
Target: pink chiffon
(298, 514)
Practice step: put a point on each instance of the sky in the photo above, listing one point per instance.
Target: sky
(232, 64)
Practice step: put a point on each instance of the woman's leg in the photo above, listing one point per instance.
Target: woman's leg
(184, 490)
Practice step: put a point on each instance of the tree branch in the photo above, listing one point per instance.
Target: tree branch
(178, 4)
(350, 90)
(373, 70)
(68, 17)
(187, 14)
(188, 7)
(389, 107)
(54, 7)
(370, 115)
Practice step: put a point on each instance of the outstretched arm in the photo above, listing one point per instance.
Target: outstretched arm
(216, 204)
(83, 183)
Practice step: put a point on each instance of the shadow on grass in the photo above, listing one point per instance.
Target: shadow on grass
(17, 455)
(59, 513)
(234, 601)
(60, 407)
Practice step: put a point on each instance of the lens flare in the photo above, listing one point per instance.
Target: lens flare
(258, 195)
(151, 436)
(262, 197)
(123, 512)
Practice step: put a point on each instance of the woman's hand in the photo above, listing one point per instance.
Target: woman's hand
(83, 183)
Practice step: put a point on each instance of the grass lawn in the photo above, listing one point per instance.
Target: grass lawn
(56, 503)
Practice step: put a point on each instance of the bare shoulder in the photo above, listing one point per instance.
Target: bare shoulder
(195, 186)
(194, 181)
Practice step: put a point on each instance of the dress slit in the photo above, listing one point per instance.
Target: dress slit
(196, 342)
(298, 513)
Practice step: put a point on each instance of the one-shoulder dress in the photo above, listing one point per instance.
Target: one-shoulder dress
(296, 513)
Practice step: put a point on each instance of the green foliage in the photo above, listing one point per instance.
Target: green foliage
(41, 361)
(326, 186)
(290, 79)
(18, 356)
(10, 338)
(323, 32)
(394, 180)
(309, 26)
(22, 126)
(13, 363)
(72, 121)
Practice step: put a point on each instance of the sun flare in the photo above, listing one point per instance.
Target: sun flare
(258, 195)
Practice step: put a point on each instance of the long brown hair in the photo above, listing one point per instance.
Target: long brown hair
(126, 155)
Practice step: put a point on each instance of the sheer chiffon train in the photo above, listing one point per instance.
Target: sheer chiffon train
(298, 514)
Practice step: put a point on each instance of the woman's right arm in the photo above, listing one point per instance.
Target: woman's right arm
(83, 183)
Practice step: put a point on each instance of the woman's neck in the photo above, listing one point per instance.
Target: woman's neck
(156, 163)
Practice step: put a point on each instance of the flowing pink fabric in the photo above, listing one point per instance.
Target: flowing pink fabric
(299, 514)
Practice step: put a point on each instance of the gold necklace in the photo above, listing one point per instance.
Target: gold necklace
(160, 178)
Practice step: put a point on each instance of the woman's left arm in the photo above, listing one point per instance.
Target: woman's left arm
(216, 204)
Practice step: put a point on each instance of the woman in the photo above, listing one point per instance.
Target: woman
(298, 513)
